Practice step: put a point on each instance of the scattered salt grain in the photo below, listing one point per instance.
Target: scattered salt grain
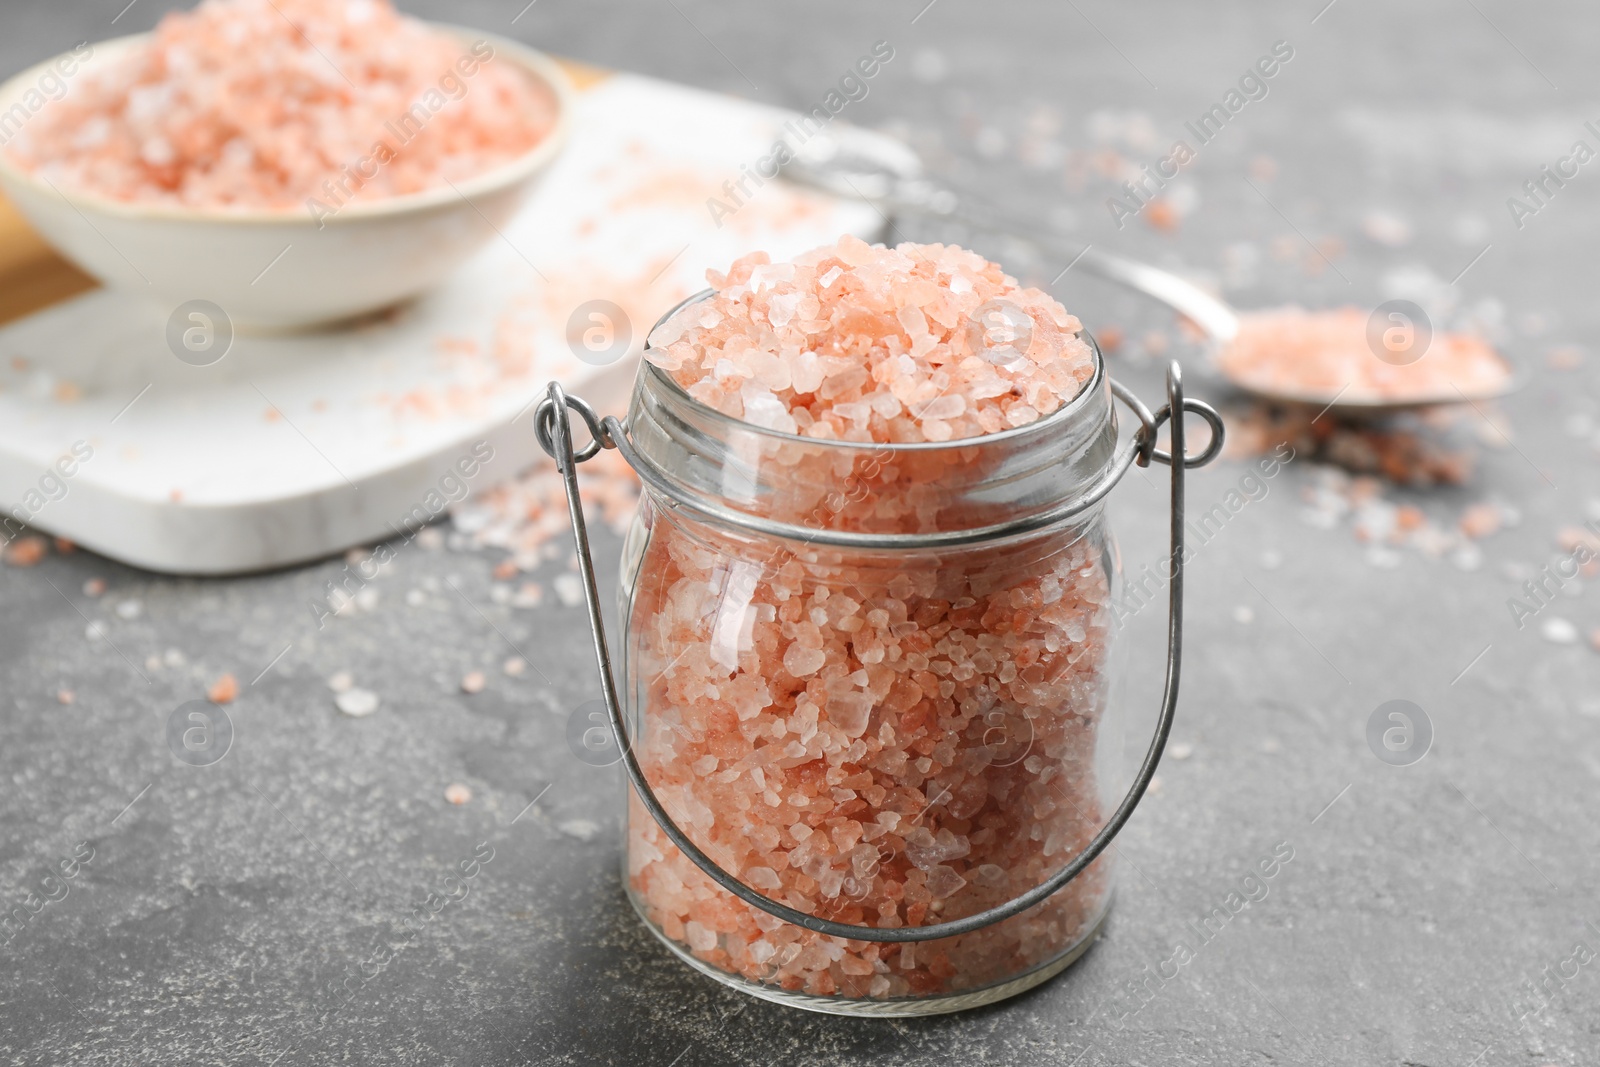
(94, 587)
(357, 702)
(515, 666)
(582, 829)
(25, 551)
(1386, 228)
(224, 690)
(129, 609)
(1181, 750)
(65, 696)
(1480, 520)
(569, 589)
(1559, 631)
(1244, 614)
(473, 682)
(341, 681)
(458, 794)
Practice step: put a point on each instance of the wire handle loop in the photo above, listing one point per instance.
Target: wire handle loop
(553, 425)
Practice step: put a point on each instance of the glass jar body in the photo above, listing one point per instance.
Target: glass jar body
(889, 737)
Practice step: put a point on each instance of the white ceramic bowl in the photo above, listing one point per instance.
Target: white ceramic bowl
(365, 257)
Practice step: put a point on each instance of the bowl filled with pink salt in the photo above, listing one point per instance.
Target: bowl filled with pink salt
(866, 703)
(295, 162)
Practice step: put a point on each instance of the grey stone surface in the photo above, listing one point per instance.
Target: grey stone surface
(230, 913)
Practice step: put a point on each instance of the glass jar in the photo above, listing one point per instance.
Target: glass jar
(867, 692)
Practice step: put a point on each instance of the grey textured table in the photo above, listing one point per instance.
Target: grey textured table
(231, 913)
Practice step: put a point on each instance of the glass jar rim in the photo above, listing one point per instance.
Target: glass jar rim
(1050, 423)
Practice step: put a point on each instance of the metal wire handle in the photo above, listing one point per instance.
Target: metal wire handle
(553, 425)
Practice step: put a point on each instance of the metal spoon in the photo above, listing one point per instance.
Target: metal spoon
(854, 163)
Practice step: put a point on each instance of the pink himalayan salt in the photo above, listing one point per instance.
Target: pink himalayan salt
(1295, 352)
(264, 104)
(860, 342)
(881, 739)
(941, 780)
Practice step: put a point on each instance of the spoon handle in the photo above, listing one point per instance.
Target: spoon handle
(1212, 315)
(1183, 296)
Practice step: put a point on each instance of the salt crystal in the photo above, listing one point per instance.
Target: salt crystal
(850, 712)
(945, 882)
(224, 690)
(357, 702)
(1559, 631)
(763, 409)
(701, 938)
(800, 661)
(582, 829)
(944, 407)
(569, 589)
